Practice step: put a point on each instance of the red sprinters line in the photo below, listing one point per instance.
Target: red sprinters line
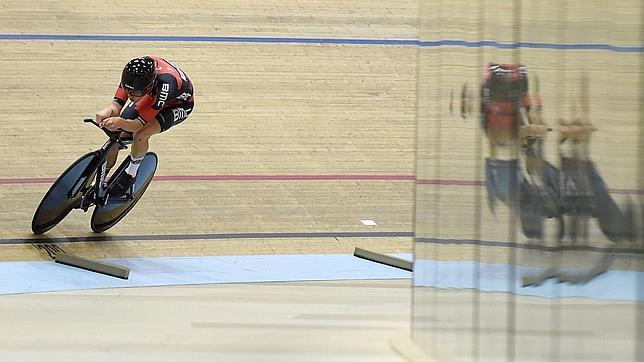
(47, 180)
(284, 177)
(451, 182)
(447, 182)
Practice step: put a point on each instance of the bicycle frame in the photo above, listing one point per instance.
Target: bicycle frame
(99, 192)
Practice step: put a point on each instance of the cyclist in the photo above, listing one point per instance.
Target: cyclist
(161, 96)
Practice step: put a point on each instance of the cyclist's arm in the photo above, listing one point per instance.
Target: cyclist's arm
(116, 108)
(112, 110)
(129, 125)
(134, 118)
(114, 123)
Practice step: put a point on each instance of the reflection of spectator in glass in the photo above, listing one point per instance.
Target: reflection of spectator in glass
(577, 198)
(584, 194)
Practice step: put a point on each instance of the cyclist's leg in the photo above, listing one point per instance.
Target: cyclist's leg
(112, 152)
(140, 143)
(138, 149)
(164, 120)
(140, 138)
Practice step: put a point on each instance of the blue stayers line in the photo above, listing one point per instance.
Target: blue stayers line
(215, 39)
(530, 45)
(235, 39)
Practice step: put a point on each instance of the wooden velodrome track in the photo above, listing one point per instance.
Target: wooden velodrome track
(341, 113)
(271, 115)
(288, 137)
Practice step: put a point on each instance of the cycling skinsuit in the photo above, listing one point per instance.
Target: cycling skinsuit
(170, 101)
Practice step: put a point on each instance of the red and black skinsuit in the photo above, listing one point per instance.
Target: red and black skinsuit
(170, 100)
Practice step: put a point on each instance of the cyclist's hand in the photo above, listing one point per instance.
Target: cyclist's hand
(111, 123)
(101, 115)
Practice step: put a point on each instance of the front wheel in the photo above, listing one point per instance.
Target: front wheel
(64, 193)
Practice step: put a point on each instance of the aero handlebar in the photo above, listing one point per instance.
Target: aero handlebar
(113, 135)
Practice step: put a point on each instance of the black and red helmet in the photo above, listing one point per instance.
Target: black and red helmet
(138, 76)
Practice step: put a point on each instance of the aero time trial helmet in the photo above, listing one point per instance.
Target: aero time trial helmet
(138, 76)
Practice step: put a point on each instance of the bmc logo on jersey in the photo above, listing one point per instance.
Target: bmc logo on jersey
(163, 95)
(179, 114)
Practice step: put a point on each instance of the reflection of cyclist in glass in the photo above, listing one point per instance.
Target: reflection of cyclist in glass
(161, 96)
(507, 113)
